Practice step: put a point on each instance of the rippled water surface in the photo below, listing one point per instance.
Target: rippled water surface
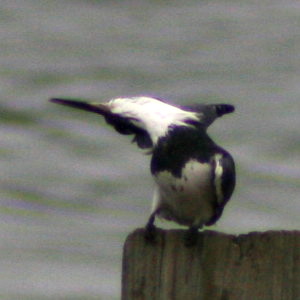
(71, 188)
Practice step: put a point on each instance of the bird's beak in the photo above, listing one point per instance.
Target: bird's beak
(99, 108)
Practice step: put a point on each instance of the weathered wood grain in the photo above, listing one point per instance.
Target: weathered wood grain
(255, 266)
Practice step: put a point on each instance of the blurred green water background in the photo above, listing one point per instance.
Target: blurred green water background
(71, 189)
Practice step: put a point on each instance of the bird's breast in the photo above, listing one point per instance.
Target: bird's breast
(189, 197)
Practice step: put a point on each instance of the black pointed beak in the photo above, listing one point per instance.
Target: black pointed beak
(98, 108)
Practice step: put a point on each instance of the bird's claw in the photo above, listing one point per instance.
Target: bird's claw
(150, 233)
(191, 236)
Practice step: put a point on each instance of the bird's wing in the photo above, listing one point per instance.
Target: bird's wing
(223, 181)
(122, 124)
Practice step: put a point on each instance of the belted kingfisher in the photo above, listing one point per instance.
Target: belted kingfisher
(194, 176)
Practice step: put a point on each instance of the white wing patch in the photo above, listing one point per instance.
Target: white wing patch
(218, 177)
(151, 114)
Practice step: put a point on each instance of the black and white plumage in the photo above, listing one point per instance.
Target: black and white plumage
(194, 176)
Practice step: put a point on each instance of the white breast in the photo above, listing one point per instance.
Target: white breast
(188, 199)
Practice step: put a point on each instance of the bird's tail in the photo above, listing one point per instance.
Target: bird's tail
(98, 108)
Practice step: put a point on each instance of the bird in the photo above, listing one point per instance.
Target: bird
(194, 176)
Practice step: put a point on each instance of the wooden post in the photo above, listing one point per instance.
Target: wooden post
(255, 266)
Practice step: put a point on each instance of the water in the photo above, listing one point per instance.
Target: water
(71, 188)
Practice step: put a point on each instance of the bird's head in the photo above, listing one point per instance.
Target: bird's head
(208, 113)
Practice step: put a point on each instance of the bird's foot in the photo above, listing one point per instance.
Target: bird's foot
(150, 229)
(150, 233)
(191, 236)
